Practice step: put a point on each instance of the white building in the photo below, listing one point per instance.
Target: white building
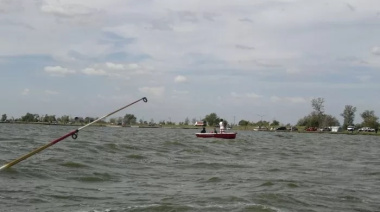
(336, 129)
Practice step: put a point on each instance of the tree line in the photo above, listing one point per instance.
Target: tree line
(317, 118)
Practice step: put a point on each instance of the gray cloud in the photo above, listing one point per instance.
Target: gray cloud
(244, 47)
(16, 24)
(247, 20)
(352, 8)
(376, 50)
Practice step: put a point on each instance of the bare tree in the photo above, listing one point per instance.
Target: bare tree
(319, 109)
(317, 105)
(348, 116)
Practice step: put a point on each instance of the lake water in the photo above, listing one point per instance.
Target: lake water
(135, 169)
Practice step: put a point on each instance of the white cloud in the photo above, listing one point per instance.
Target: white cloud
(58, 8)
(96, 72)
(376, 50)
(114, 66)
(294, 100)
(155, 91)
(180, 92)
(364, 78)
(180, 79)
(117, 70)
(50, 92)
(133, 66)
(25, 92)
(246, 95)
(293, 70)
(58, 71)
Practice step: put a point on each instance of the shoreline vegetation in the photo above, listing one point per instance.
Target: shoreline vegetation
(301, 129)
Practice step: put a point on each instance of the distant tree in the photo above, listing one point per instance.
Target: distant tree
(262, 123)
(89, 119)
(49, 118)
(243, 123)
(370, 119)
(30, 117)
(348, 116)
(4, 117)
(187, 121)
(65, 119)
(318, 118)
(310, 120)
(212, 119)
(119, 121)
(141, 121)
(319, 109)
(113, 120)
(129, 119)
(317, 105)
(45, 118)
(275, 123)
(193, 120)
(329, 120)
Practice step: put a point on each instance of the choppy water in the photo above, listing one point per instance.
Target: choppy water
(133, 169)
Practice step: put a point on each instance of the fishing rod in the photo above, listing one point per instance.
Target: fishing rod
(73, 134)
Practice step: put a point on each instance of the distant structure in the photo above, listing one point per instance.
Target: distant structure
(199, 123)
(336, 129)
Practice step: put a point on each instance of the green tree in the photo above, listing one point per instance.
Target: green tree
(65, 119)
(348, 116)
(318, 118)
(187, 121)
(329, 120)
(370, 119)
(4, 117)
(311, 120)
(243, 123)
(275, 123)
(129, 119)
(119, 121)
(30, 117)
(212, 119)
(113, 120)
(88, 119)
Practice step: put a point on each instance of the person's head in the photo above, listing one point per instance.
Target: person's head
(221, 119)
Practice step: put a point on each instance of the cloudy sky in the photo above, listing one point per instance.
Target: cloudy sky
(240, 59)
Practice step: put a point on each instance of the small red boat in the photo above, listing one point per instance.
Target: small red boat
(217, 135)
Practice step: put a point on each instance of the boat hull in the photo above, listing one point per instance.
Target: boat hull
(216, 135)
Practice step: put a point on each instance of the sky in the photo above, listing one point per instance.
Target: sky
(243, 59)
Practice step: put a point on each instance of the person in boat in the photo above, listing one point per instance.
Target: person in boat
(203, 130)
(221, 126)
(215, 131)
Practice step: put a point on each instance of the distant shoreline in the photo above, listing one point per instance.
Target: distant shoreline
(240, 128)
